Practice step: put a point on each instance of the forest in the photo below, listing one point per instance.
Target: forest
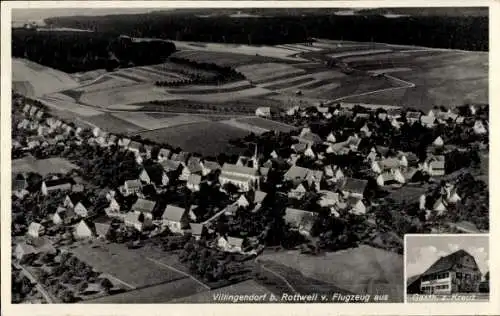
(84, 51)
(467, 32)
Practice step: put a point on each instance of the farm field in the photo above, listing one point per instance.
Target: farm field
(445, 78)
(262, 51)
(207, 138)
(227, 96)
(43, 166)
(297, 282)
(249, 287)
(39, 80)
(360, 270)
(250, 128)
(161, 293)
(267, 124)
(126, 265)
(113, 124)
(146, 122)
(125, 95)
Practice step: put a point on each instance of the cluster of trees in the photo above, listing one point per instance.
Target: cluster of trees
(84, 51)
(222, 74)
(178, 105)
(21, 287)
(456, 32)
(69, 270)
(210, 264)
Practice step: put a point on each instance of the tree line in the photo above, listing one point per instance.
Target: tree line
(85, 51)
(453, 32)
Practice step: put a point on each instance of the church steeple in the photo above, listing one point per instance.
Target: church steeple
(255, 159)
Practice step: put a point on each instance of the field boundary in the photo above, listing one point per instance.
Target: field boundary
(179, 271)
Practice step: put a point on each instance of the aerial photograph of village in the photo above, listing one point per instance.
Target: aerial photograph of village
(248, 155)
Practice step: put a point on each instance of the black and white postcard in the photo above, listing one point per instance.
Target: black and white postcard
(255, 153)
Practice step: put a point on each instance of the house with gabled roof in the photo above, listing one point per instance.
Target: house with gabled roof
(148, 149)
(171, 166)
(230, 244)
(175, 218)
(36, 230)
(24, 250)
(193, 166)
(390, 177)
(19, 186)
(53, 185)
(314, 178)
(84, 229)
(138, 220)
(298, 192)
(242, 201)
(194, 182)
(163, 154)
(354, 187)
(72, 199)
(143, 206)
(333, 173)
(296, 174)
(438, 142)
(182, 157)
(135, 147)
(132, 187)
(154, 174)
(82, 207)
(210, 167)
(427, 121)
(331, 138)
(124, 142)
(197, 230)
(413, 117)
(436, 166)
(299, 147)
(309, 152)
(479, 128)
(440, 206)
(244, 178)
(356, 205)
(301, 220)
(457, 272)
(328, 198)
(263, 111)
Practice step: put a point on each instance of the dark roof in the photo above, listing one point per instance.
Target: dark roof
(57, 182)
(155, 173)
(143, 206)
(170, 165)
(355, 185)
(447, 262)
(76, 197)
(412, 279)
(18, 184)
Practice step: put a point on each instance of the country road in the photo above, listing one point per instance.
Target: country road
(48, 297)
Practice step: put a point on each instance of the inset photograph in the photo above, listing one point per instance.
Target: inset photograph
(448, 268)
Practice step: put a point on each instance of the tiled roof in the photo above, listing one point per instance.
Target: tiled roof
(173, 213)
(355, 185)
(144, 206)
(246, 171)
(446, 263)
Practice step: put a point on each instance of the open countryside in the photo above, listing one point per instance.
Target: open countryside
(180, 167)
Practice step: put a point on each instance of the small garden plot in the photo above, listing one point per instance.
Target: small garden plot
(240, 85)
(206, 138)
(107, 82)
(290, 82)
(359, 53)
(267, 124)
(113, 124)
(321, 83)
(128, 74)
(125, 265)
(407, 194)
(162, 293)
(269, 71)
(164, 74)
